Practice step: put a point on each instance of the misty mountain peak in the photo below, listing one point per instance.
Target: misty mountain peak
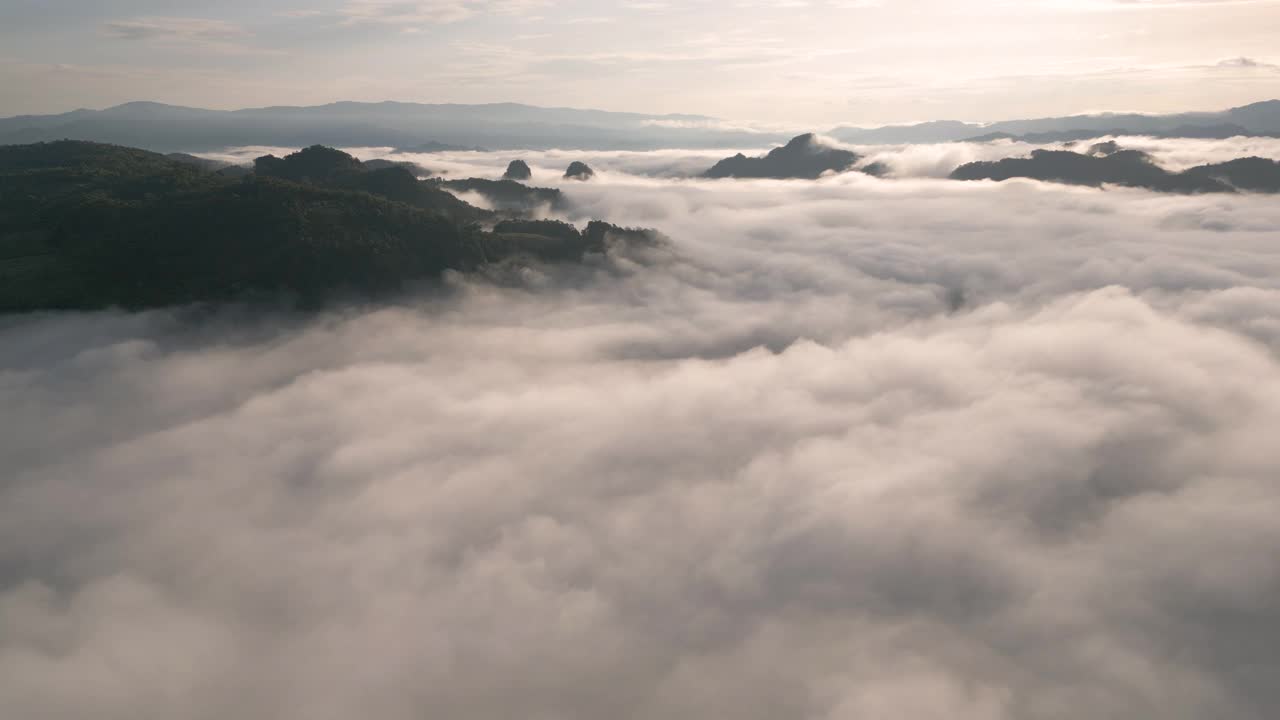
(808, 141)
(518, 170)
(1109, 147)
(579, 171)
(803, 157)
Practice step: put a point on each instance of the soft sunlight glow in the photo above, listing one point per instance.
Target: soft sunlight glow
(824, 61)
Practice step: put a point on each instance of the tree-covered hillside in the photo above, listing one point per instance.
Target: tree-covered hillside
(85, 225)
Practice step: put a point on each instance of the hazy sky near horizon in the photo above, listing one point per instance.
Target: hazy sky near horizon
(820, 62)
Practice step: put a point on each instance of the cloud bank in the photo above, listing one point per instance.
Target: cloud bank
(901, 161)
(851, 449)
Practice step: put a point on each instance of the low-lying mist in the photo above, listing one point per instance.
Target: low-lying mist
(848, 449)
(901, 161)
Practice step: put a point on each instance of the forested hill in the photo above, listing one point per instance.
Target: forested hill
(86, 225)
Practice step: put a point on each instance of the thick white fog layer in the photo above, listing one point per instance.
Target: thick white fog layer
(902, 161)
(849, 449)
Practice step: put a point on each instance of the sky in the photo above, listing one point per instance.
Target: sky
(790, 62)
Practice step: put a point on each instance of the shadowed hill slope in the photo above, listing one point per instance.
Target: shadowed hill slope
(84, 225)
(1107, 165)
(508, 195)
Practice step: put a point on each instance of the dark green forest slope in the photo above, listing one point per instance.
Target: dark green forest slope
(84, 225)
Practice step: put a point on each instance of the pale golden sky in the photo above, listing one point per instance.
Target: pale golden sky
(809, 62)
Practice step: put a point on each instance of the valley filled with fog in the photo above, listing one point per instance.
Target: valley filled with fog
(936, 160)
(846, 448)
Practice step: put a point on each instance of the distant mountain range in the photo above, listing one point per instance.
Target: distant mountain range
(1262, 119)
(412, 127)
(434, 128)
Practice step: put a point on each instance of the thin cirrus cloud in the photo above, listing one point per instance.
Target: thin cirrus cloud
(1141, 4)
(162, 28)
(430, 12)
(1246, 63)
(187, 33)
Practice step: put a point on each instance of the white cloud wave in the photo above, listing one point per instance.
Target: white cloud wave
(856, 448)
(903, 161)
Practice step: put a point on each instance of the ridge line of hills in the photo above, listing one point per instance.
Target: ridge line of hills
(1260, 118)
(807, 157)
(88, 225)
(505, 126)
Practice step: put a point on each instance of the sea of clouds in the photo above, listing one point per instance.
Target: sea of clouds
(844, 450)
(902, 161)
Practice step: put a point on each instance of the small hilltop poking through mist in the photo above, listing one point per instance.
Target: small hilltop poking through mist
(804, 157)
